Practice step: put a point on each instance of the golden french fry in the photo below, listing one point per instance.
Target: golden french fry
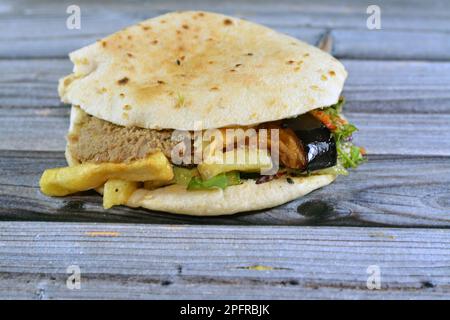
(247, 160)
(117, 192)
(86, 176)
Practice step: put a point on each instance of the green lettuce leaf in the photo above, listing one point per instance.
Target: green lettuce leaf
(349, 155)
(221, 181)
(184, 175)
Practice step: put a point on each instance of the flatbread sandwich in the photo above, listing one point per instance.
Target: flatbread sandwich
(202, 114)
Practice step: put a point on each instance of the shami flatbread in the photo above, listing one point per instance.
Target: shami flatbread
(185, 69)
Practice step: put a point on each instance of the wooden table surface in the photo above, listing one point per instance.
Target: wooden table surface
(393, 212)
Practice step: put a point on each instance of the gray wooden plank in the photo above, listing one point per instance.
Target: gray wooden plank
(434, 8)
(406, 134)
(39, 31)
(30, 83)
(355, 20)
(397, 87)
(221, 262)
(388, 44)
(387, 191)
(100, 21)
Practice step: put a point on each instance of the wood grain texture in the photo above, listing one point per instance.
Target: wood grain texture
(389, 44)
(387, 191)
(396, 8)
(42, 33)
(189, 262)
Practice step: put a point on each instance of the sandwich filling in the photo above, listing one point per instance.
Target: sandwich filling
(120, 159)
(318, 140)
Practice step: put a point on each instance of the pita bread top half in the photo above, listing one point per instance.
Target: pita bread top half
(200, 70)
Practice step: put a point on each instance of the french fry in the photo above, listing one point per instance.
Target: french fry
(117, 192)
(86, 176)
(247, 160)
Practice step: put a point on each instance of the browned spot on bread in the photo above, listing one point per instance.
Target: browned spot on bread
(124, 80)
(122, 95)
(73, 138)
(214, 88)
(332, 73)
(104, 44)
(155, 41)
(161, 82)
(67, 81)
(271, 102)
(129, 54)
(185, 26)
(227, 22)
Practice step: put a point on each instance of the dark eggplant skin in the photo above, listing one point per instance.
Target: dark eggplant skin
(317, 140)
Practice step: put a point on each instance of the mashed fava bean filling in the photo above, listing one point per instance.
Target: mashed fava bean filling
(101, 141)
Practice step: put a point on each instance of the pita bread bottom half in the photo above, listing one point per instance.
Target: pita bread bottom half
(247, 196)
